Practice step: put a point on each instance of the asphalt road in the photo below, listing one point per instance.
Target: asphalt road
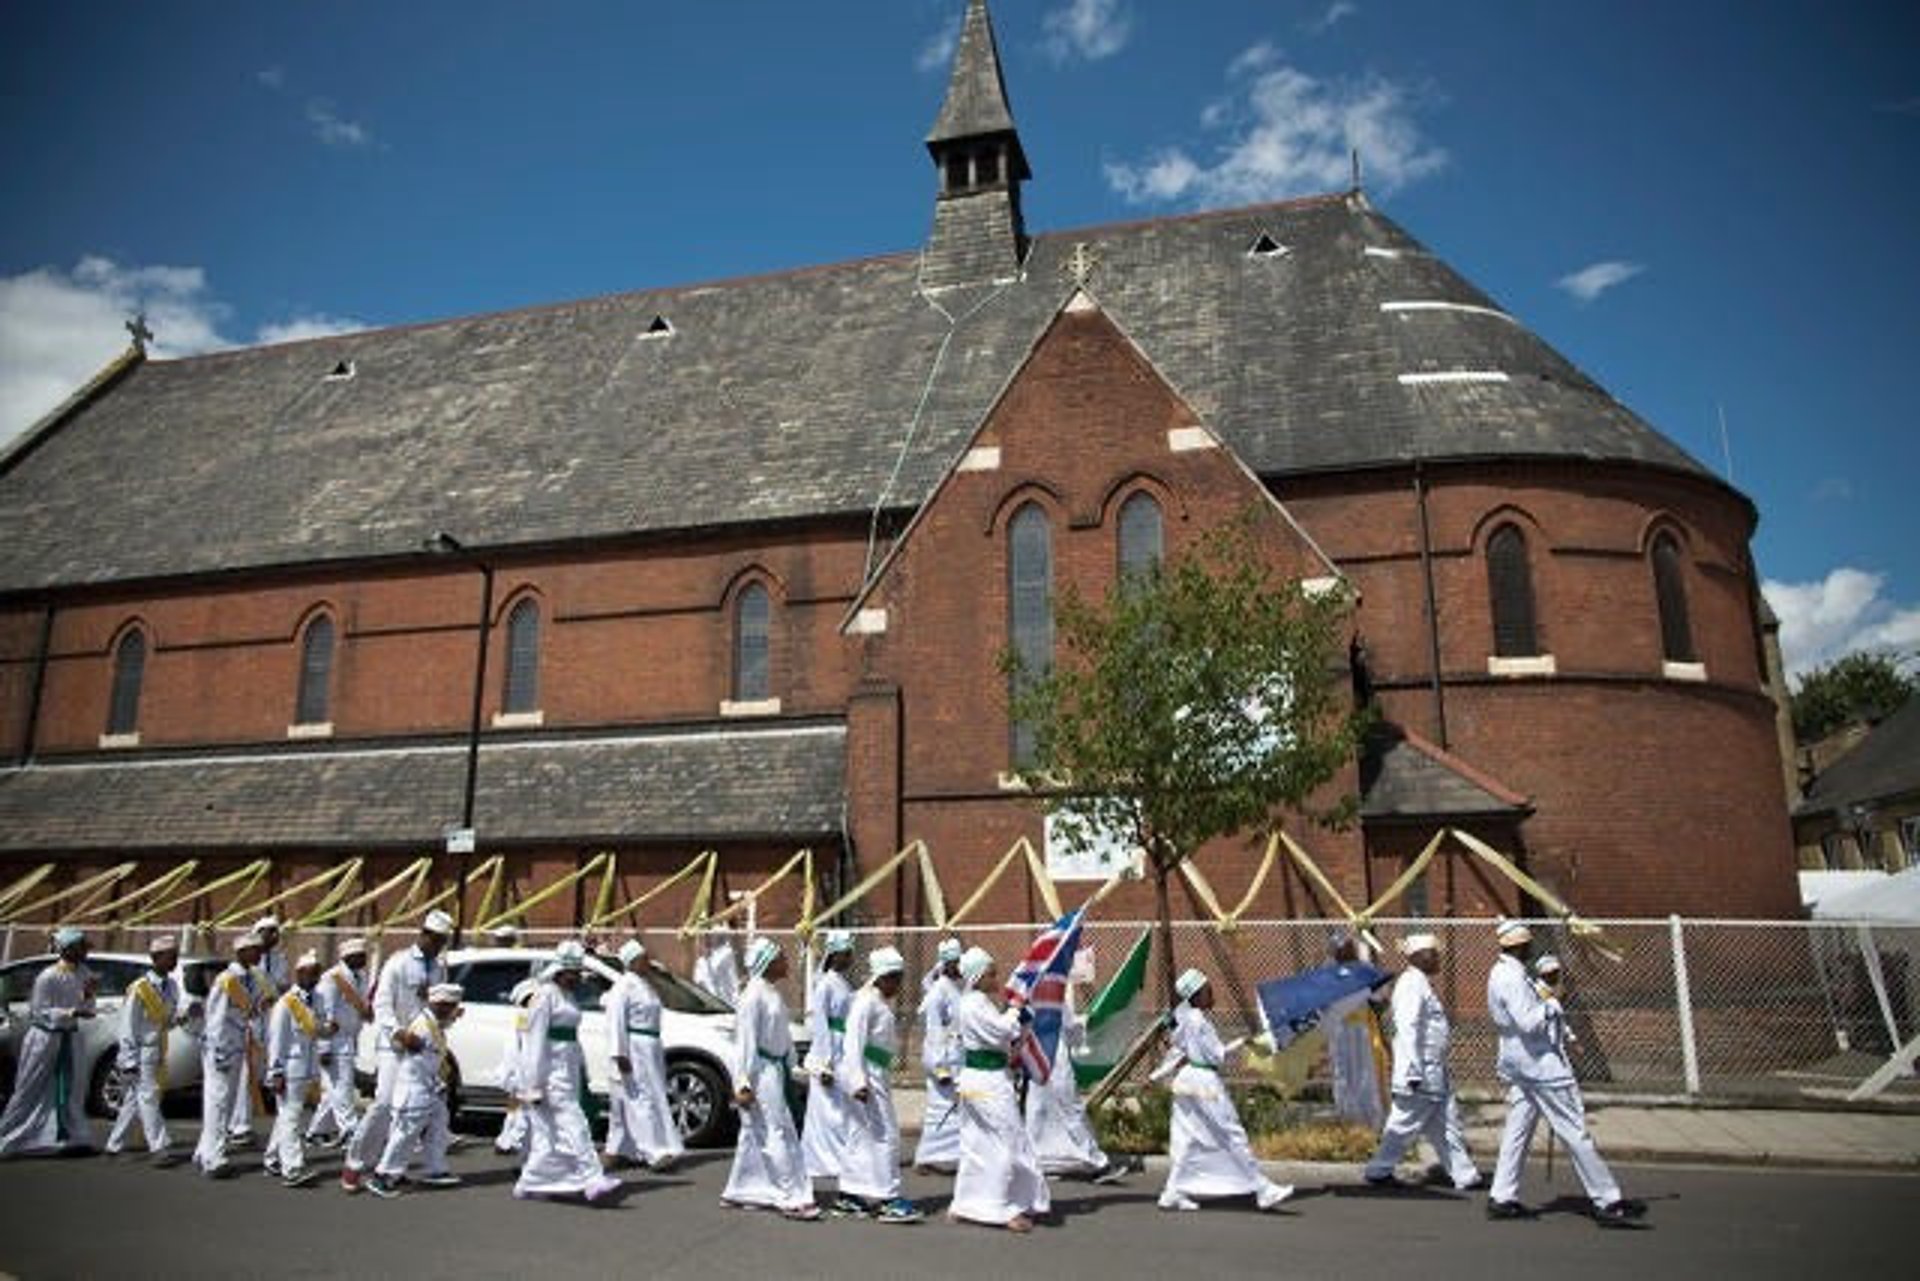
(91, 1217)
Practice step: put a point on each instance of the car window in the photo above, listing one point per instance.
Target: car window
(591, 992)
(115, 976)
(683, 997)
(18, 979)
(197, 976)
(489, 982)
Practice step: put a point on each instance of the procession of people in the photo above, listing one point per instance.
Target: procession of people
(1001, 1135)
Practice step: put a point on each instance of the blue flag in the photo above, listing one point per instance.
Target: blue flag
(1291, 1007)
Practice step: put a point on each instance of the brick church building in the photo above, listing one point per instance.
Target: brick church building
(730, 566)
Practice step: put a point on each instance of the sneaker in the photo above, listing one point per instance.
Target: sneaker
(1110, 1174)
(846, 1207)
(240, 1140)
(1478, 1183)
(1272, 1195)
(808, 1213)
(1386, 1182)
(270, 1168)
(1177, 1202)
(1507, 1210)
(221, 1171)
(300, 1180)
(661, 1164)
(442, 1179)
(1616, 1214)
(380, 1187)
(899, 1210)
(603, 1186)
(350, 1180)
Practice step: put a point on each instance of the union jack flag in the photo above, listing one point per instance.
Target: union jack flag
(1040, 983)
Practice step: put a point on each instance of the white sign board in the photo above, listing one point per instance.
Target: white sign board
(460, 840)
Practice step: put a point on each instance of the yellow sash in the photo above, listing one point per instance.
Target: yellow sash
(143, 991)
(302, 1016)
(343, 983)
(438, 1035)
(237, 995)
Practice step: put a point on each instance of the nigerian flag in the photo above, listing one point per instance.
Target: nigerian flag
(1115, 1018)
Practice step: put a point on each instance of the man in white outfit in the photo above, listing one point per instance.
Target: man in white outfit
(48, 1110)
(640, 1125)
(1353, 1038)
(399, 994)
(1532, 1060)
(1208, 1152)
(514, 1128)
(224, 1041)
(155, 1005)
(769, 1170)
(270, 978)
(295, 1035)
(939, 1147)
(341, 1000)
(870, 1157)
(823, 1133)
(999, 1182)
(1423, 1101)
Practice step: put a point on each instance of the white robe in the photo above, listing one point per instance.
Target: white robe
(399, 994)
(870, 1157)
(823, 1137)
(999, 1176)
(939, 1147)
(513, 1128)
(640, 1125)
(223, 1048)
(339, 998)
(268, 980)
(1350, 1031)
(718, 972)
(1423, 1102)
(768, 1166)
(142, 1059)
(560, 1154)
(1532, 1059)
(1208, 1151)
(48, 1110)
(293, 1056)
(1056, 1118)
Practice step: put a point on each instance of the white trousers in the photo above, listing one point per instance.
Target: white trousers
(286, 1145)
(823, 1137)
(219, 1089)
(1433, 1117)
(416, 1124)
(560, 1156)
(1057, 1124)
(240, 1120)
(370, 1135)
(142, 1103)
(1566, 1116)
(339, 1108)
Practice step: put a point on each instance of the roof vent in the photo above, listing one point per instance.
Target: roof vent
(1266, 247)
(340, 372)
(660, 327)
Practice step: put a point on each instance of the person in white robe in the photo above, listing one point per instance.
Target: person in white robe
(1353, 1045)
(399, 994)
(1423, 1100)
(769, 1169)
(715, 969)
(341, 1000)
(271, 976)
(999, 1182)
(224, 1038)
(640, 1125)
(870, 1157)
(420, 1098)
(823, 1133)
(1208, 1152)
(48, 1110)
(512, 1138)
(296, 1032)
(1056, 1117)
(939, 1148)
(155, 1006)
(560, 1159)
(1532, 1060)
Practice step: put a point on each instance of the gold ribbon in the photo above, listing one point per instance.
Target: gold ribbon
(143, 991)
(112, 876)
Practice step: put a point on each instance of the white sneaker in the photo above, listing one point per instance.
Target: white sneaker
(1175, 1201)
(1273, 1194)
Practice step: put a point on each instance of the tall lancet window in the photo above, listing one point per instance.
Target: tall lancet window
(752, 649)
(311, 704)
(522, 692)
(129, 671)
(1510, 587)
(1670, 591)
(1029, 610)
(1141, 537)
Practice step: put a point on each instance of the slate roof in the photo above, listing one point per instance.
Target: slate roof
(1403, 777)
(1885, 764)
(793, 396)
(976, 102)
(732, 783)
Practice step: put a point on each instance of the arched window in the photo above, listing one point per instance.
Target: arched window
(1670, 590)
(316, 673)
(1140, 536)
(1510, 588)
(1029, 609)
(522, 693)
(752, 626)
(129, 668)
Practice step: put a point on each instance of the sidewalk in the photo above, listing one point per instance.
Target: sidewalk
(1675, 1134)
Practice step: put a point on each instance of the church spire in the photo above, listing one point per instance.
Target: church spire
(978, 234)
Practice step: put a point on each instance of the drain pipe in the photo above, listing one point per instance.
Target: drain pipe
(29, 739)
(1433, 606)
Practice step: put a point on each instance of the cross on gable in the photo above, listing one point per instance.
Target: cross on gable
(1080, 263)
(137, 327)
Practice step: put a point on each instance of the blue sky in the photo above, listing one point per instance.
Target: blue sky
(1710, 207)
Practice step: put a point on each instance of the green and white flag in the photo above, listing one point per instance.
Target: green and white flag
(1116, 1016)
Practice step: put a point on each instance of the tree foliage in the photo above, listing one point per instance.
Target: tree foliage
(1861, 686)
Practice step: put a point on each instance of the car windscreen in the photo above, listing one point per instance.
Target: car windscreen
(490, 982)
(683, 997)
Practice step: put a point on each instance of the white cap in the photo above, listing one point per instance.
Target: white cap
(883, 961)
(1509, 932)
(1189, 982)
(836, 941)
(448, 992)
(1548, 964)
(974, 962)
(163, 943)
(354, 947)
(760, 954)
(66, 936)
(438, 922)
(1413, 943)
(308, 957)
(570, 954)
(630, 950)
(523, 991)
(505, 932)
(950, 950)
(265, 923)
(249, 939)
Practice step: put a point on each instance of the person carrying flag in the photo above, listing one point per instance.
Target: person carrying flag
(1210, 1155)
(768, 1167)
(823, 1133)
(154, 1007)
(870, 1156)
(939, 1147)
(1423, 1101)
(1353, 1044)
(999, 1182)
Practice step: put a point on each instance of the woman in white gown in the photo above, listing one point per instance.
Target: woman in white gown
(1208, 1149)
(939, 1148)
(1057, 1119)
(48, 1110)
(560, 1156)
(768, 1167)
(823, 1136)
(639, 1124)
(999, 1182)
(870, 1156)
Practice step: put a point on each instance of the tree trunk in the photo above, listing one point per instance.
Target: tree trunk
(1161, 872)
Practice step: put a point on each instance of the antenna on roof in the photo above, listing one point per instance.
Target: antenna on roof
(1726, 445)
(1356, 168)
(137, 327)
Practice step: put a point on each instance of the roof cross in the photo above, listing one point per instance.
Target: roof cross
(137, 326)
(1081, 262)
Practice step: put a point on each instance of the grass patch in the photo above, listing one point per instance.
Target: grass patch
(1279, 1128)
(1337, 1141)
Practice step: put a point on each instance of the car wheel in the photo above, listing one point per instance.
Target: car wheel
(697, 1101)
(108, 1089)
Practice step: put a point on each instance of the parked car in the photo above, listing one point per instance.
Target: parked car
(696, 1030)
(100, 1037)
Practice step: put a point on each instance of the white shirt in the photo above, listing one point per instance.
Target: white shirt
(716, 971)
(138, 1030)
(1421, 1034)
(982, 1027)
(761, 1030)
(338, 997)
(61, 992)
(229, 1011)
(1195, 1039)
(1531, 1040)
(420, 1080)
(293, 1052)
(400, 993)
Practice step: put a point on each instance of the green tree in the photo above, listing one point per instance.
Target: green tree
(1861, 686)
(1202, 698)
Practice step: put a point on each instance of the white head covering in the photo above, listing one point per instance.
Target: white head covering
(308, 957)
(1548, 964)
(570, 954)
(438, 922)
(1189, 982)
(883, 961)
(1508, 932)
(523, 991)
(354, 947)
(974, 962)
(760, 954)
(950, 950)
(249, 939)
(1413, 943)
(504, 933)
(836, 941)
(66, 936)
(163, 943)
(265, 923)
(450, 992)
(630, 950)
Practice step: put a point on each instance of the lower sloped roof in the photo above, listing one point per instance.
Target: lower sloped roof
(1403, 777)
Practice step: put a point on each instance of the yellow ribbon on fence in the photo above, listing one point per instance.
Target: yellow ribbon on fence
(1583, 930)
(112, 876)
(408, 907)
(803, 860)
(1414, 871)
(526, 905)
(1311, 870)
(631, 909)
(605, 896)
(250, 873)
(870, 881)
(703, 896)
(328, 877)
(24, 886)
(493, 888)
(162, 884)
(322, 915)
(1049, 895)
(1224, 921)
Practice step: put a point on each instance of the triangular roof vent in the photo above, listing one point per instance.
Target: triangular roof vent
(659, 327)
(1266, 247)
(341, 371)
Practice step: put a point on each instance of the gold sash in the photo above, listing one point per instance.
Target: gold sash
(302, 1016)
(343, 983)
(143, 991)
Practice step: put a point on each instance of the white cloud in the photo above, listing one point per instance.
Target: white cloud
(272, 77)
(332, 129)
(1838, 615)
(937, 53)
(1090, 29)
(1591, 281)
(1289, 133)
(60, 328)
(1338, 11)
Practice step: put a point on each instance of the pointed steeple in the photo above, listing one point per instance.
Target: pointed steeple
(978, 234)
